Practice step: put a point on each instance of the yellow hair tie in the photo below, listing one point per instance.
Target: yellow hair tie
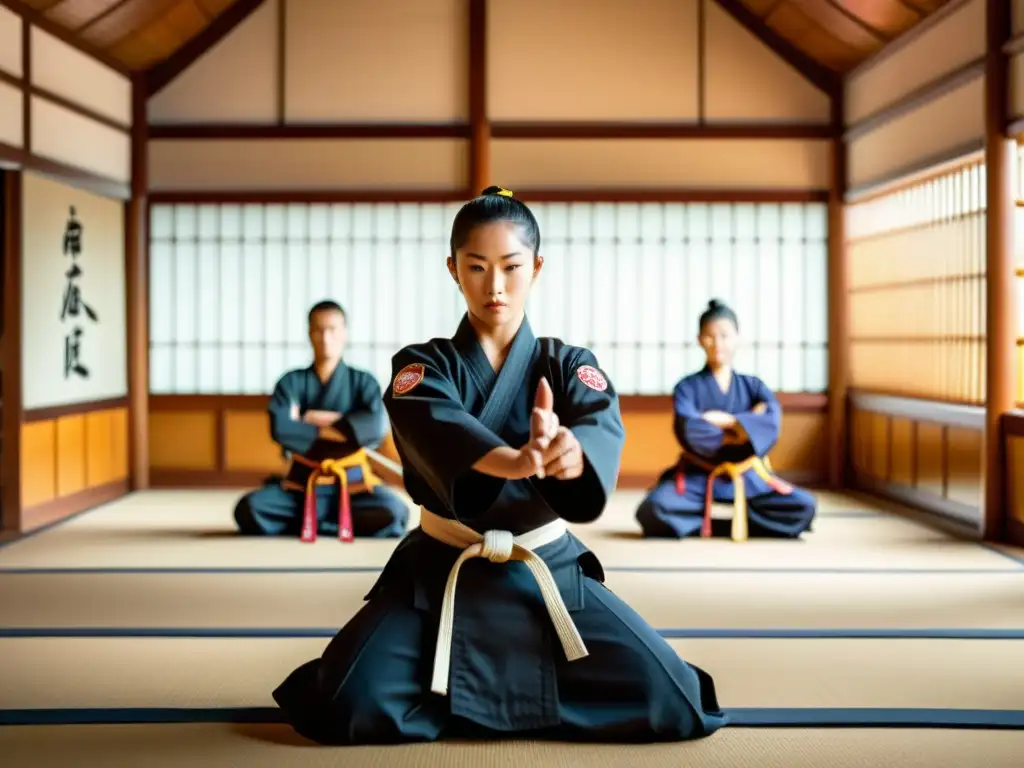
(505, 192)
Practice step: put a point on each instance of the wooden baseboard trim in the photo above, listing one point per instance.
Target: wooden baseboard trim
(73, 409)
(207, 478)
(54, 511)
(951, 516)
(1015, 532)
(791, 402)
(632, 481)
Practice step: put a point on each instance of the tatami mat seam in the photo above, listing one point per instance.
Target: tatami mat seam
(213, 571)
(746, 717)
(671, 633)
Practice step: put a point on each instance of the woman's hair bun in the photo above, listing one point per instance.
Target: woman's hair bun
(497, 191)
(716, 304)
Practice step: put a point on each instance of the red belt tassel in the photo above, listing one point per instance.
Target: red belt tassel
(309, 510)
(344, 512)
(680, 482)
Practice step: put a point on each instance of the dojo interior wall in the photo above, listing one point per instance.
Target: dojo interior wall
(217, 152)
(65, 124)
(916, 252)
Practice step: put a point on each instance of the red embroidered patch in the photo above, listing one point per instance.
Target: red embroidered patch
(407, 379)
(592, 377)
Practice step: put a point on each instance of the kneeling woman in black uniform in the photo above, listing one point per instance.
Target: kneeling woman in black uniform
(491, 618)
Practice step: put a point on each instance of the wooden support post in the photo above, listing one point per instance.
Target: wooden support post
(136, 222)
(838, 305)
(1001, 315)
(10, 511)
(480, 137)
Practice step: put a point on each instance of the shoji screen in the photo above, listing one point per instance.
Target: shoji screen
(231, 285)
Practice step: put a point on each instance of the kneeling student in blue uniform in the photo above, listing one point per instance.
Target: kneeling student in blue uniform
(724, 420)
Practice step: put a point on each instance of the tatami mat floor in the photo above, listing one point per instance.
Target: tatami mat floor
(151, 623)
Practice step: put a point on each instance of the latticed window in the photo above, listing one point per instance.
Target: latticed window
(230, 286)
(917, 284)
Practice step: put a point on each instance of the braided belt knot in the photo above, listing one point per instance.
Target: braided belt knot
(497, 547)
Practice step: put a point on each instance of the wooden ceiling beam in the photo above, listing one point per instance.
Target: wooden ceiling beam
(160, 75)
(824, 78)
(114, 7)
(876, 33)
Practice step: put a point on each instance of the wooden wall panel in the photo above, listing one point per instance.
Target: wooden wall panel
(101, 464)
(71, 459)
(929, 448)
(71, 75)
(745, 80)
(1017, 86)
(650, 163)
(12, 126)
(214, 89)
(308, 164)
(71, 447)
(942, 48)
(394, 60)
(1015, 474)
(965, 459)
(544, 64)
(923, 453)
(1013, 432)
(225, 440)
(183, 440)
(406, 61)
(10, 42)
(68, 137)
(1018, 16)
(949, 122)
(38, 463)
(247, 443)
(902, 439)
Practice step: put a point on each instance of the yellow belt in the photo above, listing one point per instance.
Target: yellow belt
(327, 471)
(498, 547)
(735, 470)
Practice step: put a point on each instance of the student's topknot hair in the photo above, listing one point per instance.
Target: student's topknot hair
(492, 205)
(716, 310)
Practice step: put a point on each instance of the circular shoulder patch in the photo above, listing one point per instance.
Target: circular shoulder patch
(592, 377)
(407, 379)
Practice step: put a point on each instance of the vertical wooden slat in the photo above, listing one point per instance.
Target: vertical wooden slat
(220, 429)
(889, 448)
(282, 44)
(915, 471)
(11, 501)
(137, 294)
(480, 136)
(944, 460)
(26, 93)
(1000, 310)
(702, 66)
(838, 307)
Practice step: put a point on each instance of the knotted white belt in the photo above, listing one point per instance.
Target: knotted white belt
(498, 547)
